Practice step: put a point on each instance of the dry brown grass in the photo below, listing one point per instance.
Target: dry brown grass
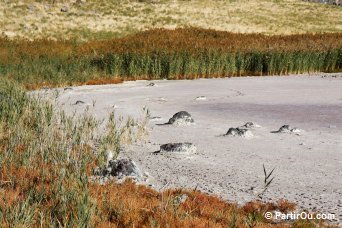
(98, 19)
(131, 205)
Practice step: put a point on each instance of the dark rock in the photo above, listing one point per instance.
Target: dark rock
(250, 125)
(120, 168)
(186, 148)
(181, 118)
(124, 168)
(239, 132)
(288, 129)
(233, 131)
(284, 129)
(151, 84)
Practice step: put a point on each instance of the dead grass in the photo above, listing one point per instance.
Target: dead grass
(101, 19)
(130, 205)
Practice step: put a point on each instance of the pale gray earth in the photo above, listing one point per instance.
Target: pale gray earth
(308, 167)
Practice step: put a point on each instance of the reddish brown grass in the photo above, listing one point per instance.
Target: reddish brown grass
(191, 40)
(127, 204)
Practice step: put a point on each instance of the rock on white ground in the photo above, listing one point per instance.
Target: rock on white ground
(308, 167)
(120, 169)
(182, 118)
(239, 132)
(288, 129)
(250, 125)
(152, 84)
(181, 148)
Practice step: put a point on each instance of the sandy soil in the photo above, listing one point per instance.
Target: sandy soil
(308, 167)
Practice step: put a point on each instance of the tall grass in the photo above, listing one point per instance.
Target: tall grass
(168, 54)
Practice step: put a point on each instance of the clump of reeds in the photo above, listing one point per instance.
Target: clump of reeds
(170, 54)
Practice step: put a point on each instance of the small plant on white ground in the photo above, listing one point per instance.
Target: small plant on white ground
(268, 179)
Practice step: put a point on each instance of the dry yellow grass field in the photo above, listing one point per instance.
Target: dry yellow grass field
(101, 19)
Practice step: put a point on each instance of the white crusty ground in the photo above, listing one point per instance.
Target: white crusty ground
(308, 167)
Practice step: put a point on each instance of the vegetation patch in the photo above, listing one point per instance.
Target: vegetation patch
(167, 54)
